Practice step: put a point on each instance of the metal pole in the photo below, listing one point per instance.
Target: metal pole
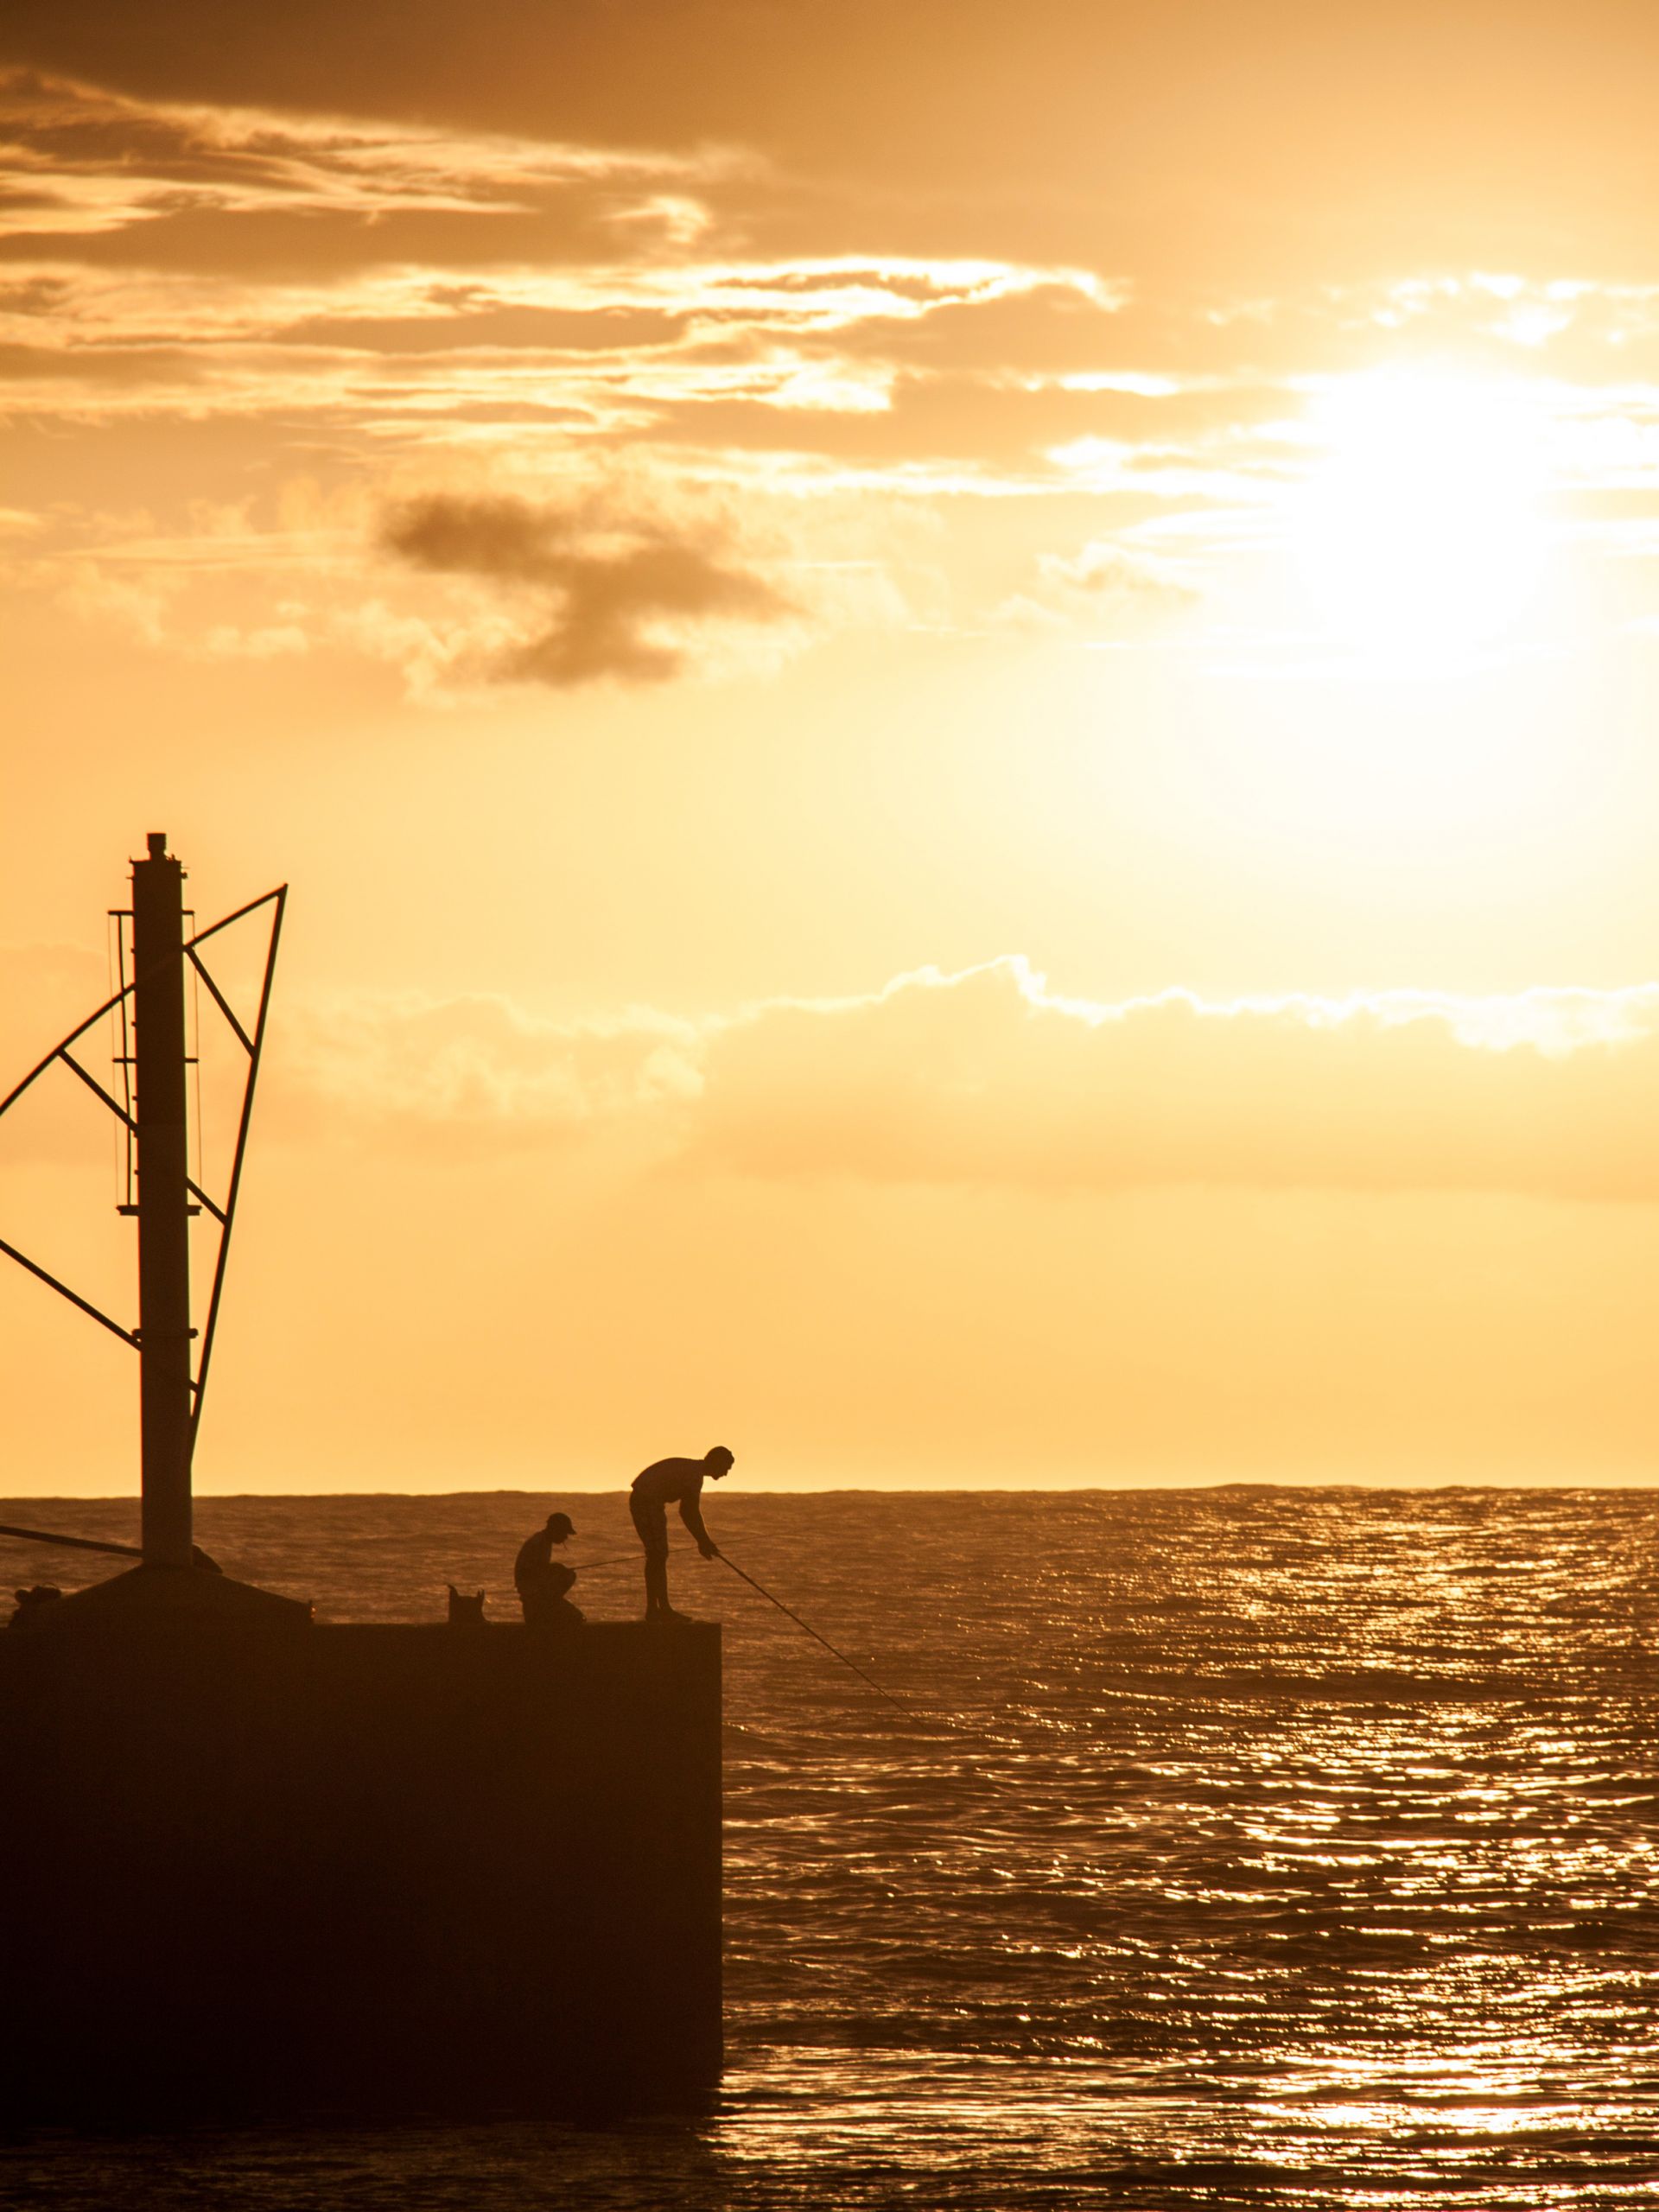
(163, 1201)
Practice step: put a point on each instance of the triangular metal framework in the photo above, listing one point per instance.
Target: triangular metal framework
(253, 1045)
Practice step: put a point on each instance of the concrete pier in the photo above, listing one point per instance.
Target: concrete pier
(255, 1866)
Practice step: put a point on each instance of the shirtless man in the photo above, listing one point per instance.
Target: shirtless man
(667, 1482)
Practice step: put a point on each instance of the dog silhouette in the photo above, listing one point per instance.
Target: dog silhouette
(31, 1604)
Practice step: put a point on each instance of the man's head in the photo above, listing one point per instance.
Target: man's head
(559, 1526)
(718, 1462)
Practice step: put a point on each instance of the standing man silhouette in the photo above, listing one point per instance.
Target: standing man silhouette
(664, 1483)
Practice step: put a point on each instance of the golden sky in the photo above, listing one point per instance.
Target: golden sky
(959, 700)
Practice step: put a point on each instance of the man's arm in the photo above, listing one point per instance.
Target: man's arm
(691, 1513)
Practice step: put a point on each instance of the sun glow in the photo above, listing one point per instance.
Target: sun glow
(1420, 534)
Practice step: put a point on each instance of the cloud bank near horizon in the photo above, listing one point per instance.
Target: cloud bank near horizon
(990, 1078)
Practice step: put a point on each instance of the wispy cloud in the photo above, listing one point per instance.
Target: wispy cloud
(479, 319)
(230, 259)
(82, 161)
(1101, 589)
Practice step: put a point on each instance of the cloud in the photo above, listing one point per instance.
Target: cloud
(390, 291)
(396, 305)
(1104, 589)
(1071, 120)
(615, 598)
(80, 162)
(475, 1074)
(987, 1078)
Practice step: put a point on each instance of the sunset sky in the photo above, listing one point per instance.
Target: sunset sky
(961, 703)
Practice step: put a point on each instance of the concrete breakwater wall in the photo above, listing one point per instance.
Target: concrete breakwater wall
(271, 1871)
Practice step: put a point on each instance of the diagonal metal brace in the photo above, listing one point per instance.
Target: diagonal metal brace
(224, 1215)
(218, 998)
(278, 900)
(97, 1088)
(127, 1336)
(122, 1114)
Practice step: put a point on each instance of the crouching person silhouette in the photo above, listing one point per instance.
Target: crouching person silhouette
(542, 1581)
(665, 1483)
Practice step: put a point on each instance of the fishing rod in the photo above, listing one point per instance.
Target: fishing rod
(899, 1704)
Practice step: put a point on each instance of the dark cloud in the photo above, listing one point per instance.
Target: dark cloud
(616, 596)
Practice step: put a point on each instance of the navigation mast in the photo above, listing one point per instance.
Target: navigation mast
(164, 1208)
(173, 1376)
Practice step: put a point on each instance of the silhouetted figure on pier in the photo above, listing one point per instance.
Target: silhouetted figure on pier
(31, 1604)
(542, 1581)
(665, 1483)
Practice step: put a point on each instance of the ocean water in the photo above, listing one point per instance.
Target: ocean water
(1244, 1847)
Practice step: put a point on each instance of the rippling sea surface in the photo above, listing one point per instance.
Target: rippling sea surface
(1246, 1847)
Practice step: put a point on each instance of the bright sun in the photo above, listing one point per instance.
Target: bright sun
(1420, 533)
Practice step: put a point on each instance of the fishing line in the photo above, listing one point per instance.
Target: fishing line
(196, 1023)
(117, 1133)
(899, 1705)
